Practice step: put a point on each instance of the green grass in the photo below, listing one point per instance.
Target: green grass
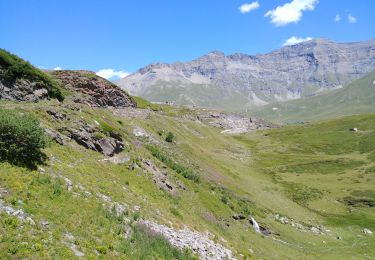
(302, 172)
(14, 68)
(143, 103)
(180, 169)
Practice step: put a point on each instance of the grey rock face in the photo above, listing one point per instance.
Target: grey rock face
(22, 90)
(241, 80)
(86, 136)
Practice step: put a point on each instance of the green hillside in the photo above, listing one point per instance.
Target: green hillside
(318, 178)
(356, 98)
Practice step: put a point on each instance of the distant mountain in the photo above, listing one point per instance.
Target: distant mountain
(239, 81)
(356, 98)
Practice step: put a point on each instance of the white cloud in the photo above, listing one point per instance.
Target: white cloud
(111, 73)
(337, 18)
(57, 68)
(352, 19)
(247, 7)
(295, 40)
(290, 12)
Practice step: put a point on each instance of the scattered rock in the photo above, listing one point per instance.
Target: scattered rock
(186, 238)
(117, 208)
(367, 231)
(56, 115)
(68, 239)
(131, 113)
(18, 213)
(234, 124)
(117, 159)
(159, 177)
(44, 224)
(238, 217)
(140, 132)
(302, 227)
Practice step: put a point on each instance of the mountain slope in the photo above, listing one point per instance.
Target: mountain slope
(238, 81)
(356, 98)
(146, 181)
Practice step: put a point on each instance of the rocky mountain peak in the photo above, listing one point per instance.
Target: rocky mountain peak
(240, 80)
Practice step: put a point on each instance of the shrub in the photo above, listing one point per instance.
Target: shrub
(15, 67)
(170, 137)
(21, 139)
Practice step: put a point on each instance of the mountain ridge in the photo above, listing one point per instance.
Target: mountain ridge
(239, 81)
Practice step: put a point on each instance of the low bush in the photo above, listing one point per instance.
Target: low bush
(170, 137)
(21, 139)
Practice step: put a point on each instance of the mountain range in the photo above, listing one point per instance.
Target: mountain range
(240, 81)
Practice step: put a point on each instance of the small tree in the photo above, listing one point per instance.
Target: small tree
(21, 139)
(170, 137)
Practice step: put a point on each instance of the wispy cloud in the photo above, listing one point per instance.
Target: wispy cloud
(57, 68)
(351, 18)
(295, 40)
(111, 73)
(248, 7)
(337, 18)
(290, 12)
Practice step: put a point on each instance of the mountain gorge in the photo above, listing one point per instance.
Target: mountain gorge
(241, 81)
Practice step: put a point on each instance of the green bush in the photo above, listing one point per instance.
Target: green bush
(170, 137)
(15, 68)
(21, 139)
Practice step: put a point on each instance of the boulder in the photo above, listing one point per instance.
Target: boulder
(367, 231)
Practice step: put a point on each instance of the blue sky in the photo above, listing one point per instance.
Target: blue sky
(126, 35)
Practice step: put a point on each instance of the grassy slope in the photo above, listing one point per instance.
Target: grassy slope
(201, 95)
(356, 98)
(303, 172)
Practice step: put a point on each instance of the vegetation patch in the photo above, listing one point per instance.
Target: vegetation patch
(361, 198)
(21, 139)
(302, 194)
(14, 68)
(367, 143)
(180, 169)
(322, 166)
(144, 104)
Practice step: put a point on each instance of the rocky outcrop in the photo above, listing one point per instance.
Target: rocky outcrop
(23, 90)
(95, 91)
(91, 138)
(240, 80)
